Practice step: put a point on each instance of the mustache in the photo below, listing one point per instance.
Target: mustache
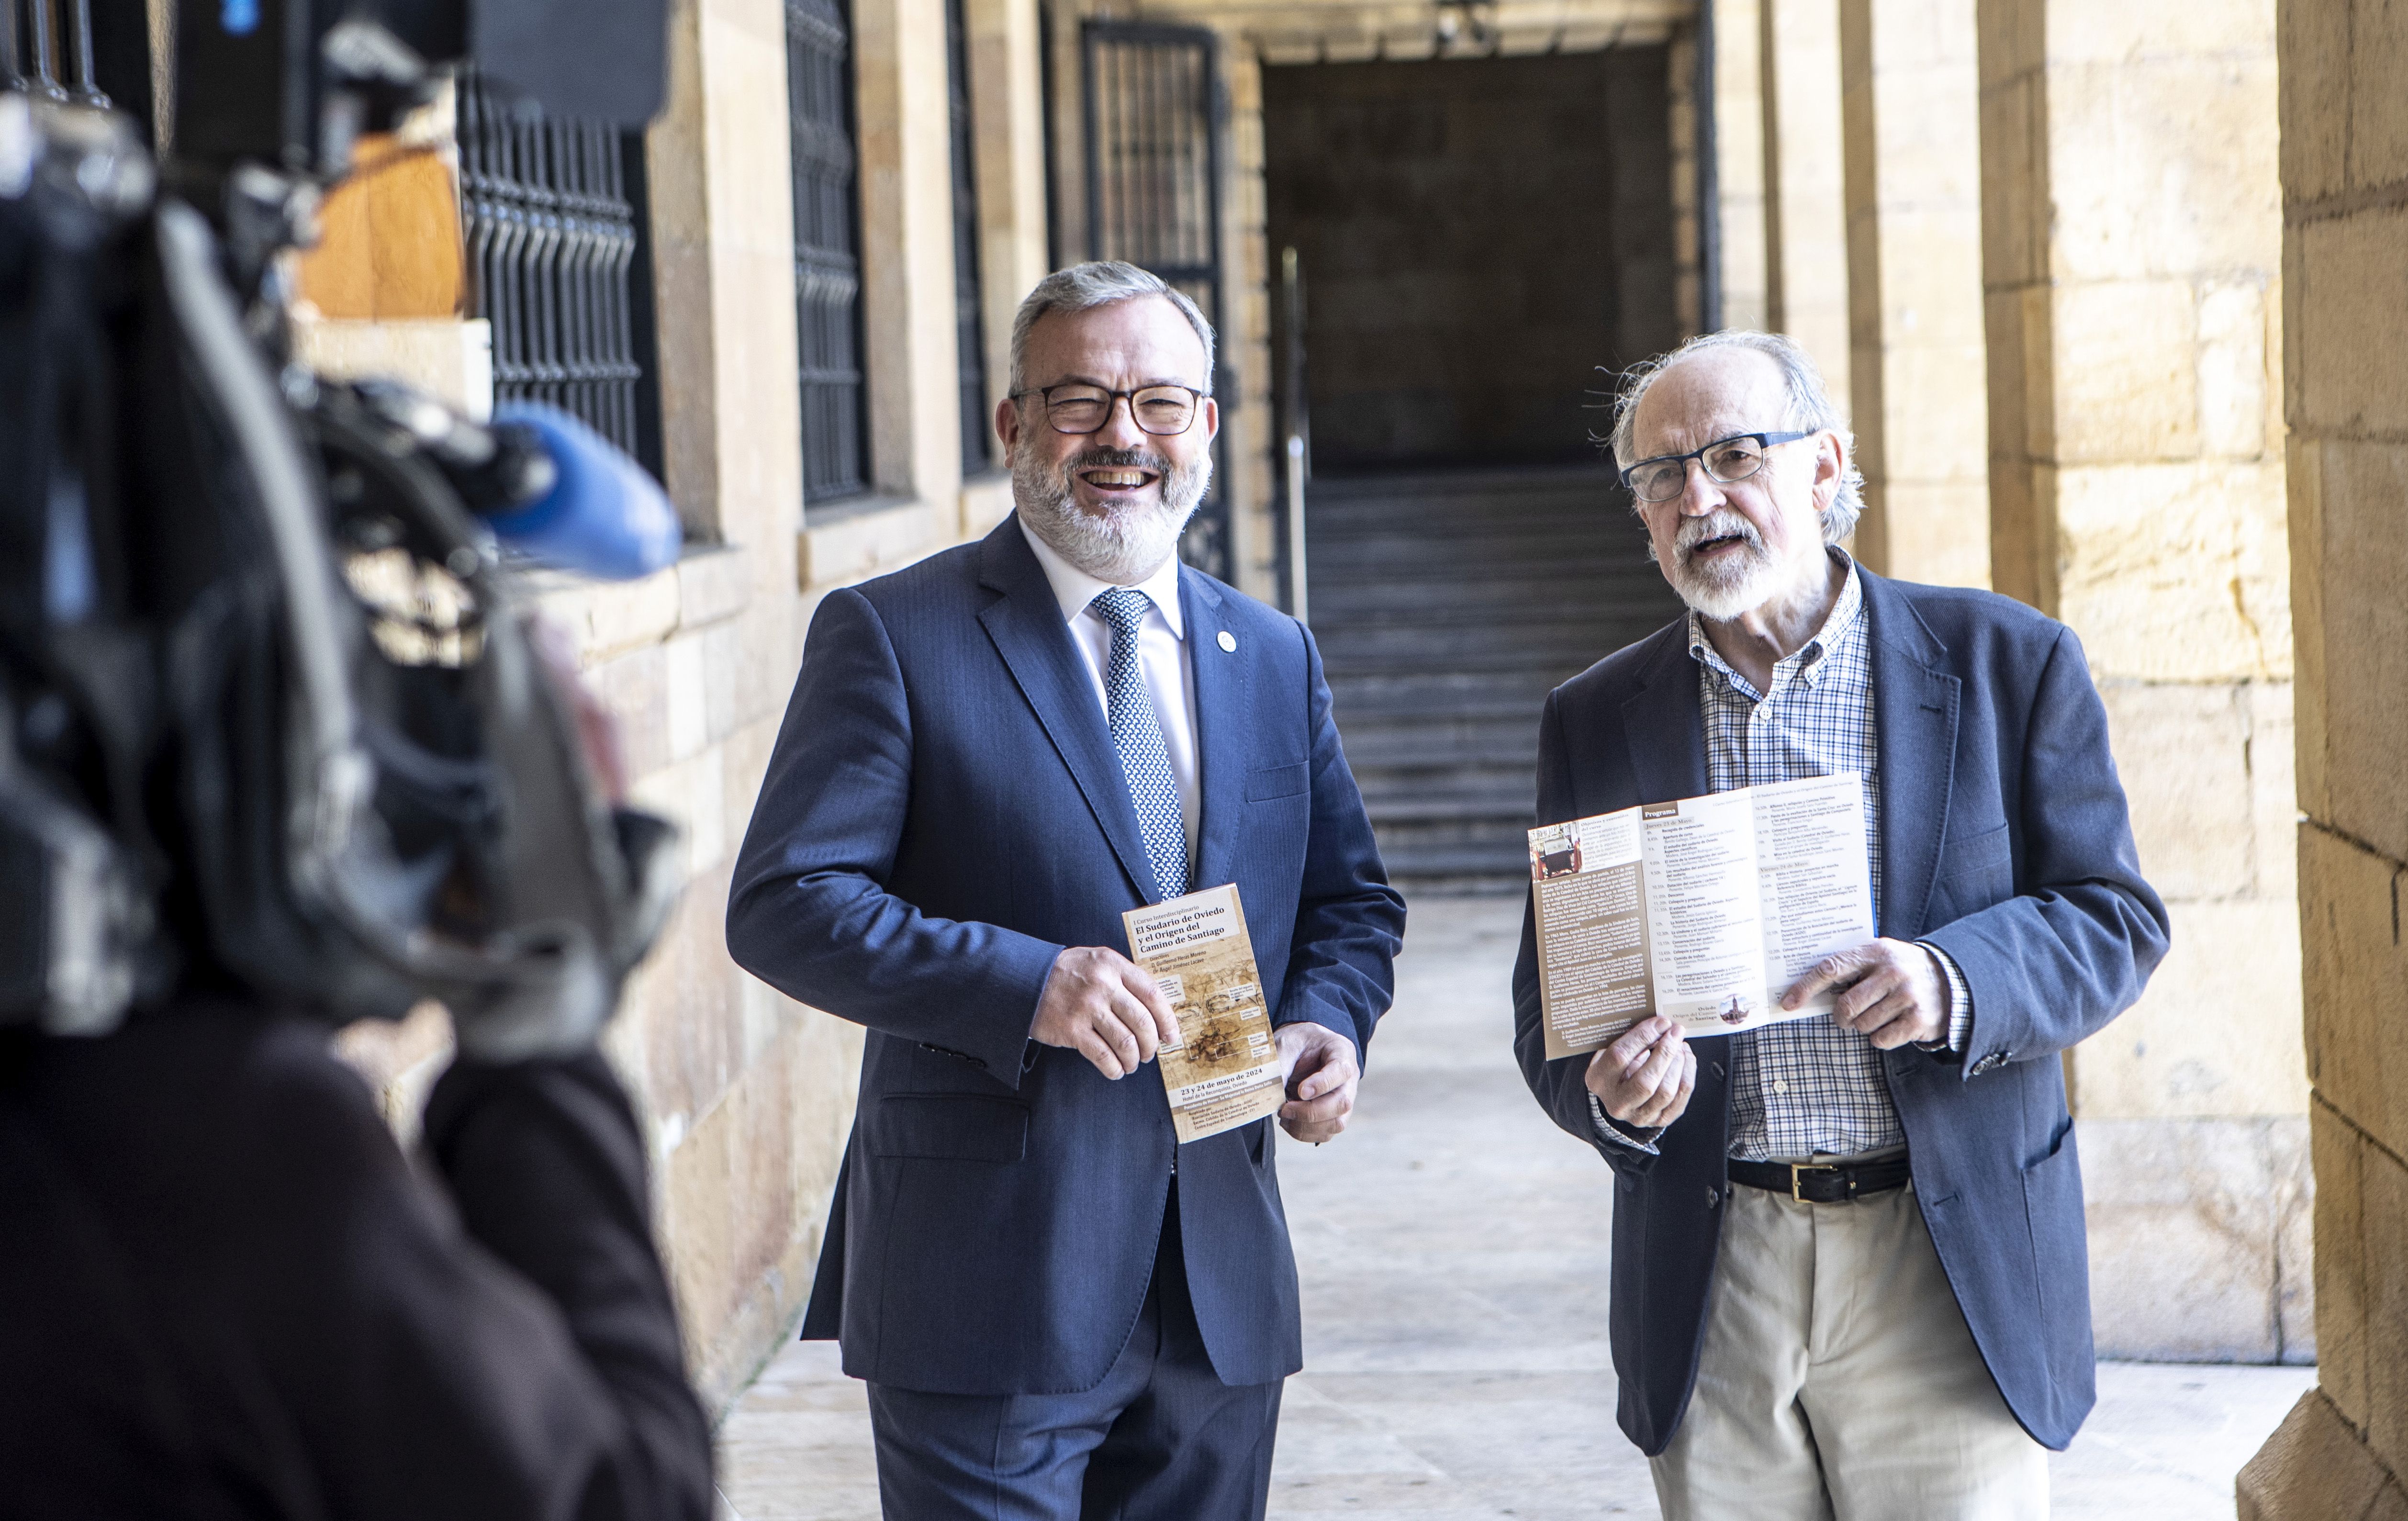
(1722, 522)
(1104, 457)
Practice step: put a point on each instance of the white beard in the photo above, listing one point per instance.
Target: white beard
(1129, 544)
(1724, 588)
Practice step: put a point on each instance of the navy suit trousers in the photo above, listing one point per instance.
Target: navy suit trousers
(1160, 1439)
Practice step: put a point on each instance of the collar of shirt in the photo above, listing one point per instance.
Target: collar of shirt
(1073, 588)
(1805, 663)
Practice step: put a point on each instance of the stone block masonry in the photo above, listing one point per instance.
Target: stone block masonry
(2131, 271)
(2343, 1451)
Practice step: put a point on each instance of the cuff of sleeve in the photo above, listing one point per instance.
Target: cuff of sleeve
(1635, 1140)
(1304, 1011)
(1960, 1003)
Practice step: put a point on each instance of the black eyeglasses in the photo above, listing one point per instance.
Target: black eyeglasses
(1162, 411)
(1727, 461)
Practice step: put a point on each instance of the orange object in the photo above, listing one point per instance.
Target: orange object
(390, 243)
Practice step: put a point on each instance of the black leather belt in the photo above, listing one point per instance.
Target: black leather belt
(1822, 1182)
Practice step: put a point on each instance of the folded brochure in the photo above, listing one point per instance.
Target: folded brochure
(1706, 909)
(1224, 1071)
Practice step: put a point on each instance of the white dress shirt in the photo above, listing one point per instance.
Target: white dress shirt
(1162, 659)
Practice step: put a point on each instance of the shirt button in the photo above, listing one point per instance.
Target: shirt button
(1780, 1085)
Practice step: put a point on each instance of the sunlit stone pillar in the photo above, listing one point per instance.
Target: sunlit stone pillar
(2132, 234)
(2344, 1450)
(1915, 290)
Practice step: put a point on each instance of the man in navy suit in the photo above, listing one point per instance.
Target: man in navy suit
(1849, 1274)
(988, 758)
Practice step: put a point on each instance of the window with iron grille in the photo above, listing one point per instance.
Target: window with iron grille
(1154, 117)
(558, 249)
(827, 250)
(969, 323)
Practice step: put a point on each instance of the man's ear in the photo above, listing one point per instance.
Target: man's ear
(1006, 425)
(1830, 469)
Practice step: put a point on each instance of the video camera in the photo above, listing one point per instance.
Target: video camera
(272, 717)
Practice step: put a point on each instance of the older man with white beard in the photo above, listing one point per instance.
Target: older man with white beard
(989, 757)
(1849, 1277)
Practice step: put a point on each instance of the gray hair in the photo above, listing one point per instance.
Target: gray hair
(1084, 287)
(1810, 408)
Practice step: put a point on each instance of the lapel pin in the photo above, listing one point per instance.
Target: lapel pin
(1229, 641)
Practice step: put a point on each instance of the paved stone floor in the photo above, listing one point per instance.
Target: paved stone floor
(1453, 1248)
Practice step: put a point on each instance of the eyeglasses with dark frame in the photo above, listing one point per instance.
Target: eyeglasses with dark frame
(1726, 461)
(1076, 407)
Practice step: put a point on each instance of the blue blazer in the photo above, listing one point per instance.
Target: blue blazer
(943, 814)
(2005, 842)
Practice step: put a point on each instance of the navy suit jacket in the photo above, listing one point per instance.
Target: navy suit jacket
(943, 814)
(2006, 843)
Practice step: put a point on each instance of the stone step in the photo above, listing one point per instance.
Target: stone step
(1502, 863)
(1447, 605)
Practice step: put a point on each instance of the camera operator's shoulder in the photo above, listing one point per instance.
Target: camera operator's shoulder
(207, 1120)
(291, 1112)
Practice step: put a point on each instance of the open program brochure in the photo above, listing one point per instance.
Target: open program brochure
(1224, 1071)
(1705, 911)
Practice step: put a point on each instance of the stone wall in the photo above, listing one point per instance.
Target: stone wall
(1478, 240)
(2343, 1451)
(1912, 191)
(1805, 185)
(2130, 253)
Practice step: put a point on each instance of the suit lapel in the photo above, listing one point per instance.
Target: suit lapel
(1662, 725)
(1220, 737)
(1914, 711)
(1027, 627)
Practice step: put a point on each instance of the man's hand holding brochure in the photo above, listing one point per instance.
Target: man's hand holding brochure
(1705, 912)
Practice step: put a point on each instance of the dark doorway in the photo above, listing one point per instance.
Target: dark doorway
(1477, 237)
(1478, 240)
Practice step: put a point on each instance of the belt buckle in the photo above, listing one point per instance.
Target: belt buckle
(1797, 1168)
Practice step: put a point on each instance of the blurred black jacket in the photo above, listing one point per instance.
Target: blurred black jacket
(225, 1292)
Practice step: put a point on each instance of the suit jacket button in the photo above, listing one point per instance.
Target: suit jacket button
(1719, 1069)
(1712, 1198)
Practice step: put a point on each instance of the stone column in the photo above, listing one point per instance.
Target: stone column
(2344, 1449)
(1805, 189)
(1914, 292)
(1008, 112)
(901, 73)
(1248, 430)
(1739, 129)
(2132, 229)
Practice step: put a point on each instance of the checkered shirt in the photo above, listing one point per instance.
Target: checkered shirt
(1806, 1086)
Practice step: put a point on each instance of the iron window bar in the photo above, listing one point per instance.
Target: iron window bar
(553, 232)
(828, 251)
(969, 314)
(1153, 116)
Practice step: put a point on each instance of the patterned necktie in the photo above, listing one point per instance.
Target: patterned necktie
(1137, 734)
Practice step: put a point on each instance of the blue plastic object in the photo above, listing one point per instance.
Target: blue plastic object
(604, 516)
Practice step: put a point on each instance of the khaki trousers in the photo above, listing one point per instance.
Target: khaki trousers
(1839, 1381)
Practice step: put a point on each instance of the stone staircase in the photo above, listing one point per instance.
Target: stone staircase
(1447, 605)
